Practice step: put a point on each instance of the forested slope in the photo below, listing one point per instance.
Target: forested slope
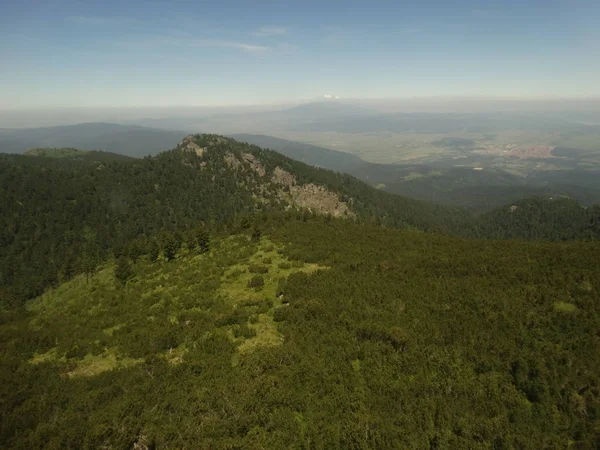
(355, 336)
(64, 215)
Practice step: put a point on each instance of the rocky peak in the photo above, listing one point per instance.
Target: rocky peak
(188, 144)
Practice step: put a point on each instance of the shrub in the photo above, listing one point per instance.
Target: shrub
(297, 264)
(256, 281)
(238, 316)
(285, 265)
(244, 331)
(267, 260)
(280, 314)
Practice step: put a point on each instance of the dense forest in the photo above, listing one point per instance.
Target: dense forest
(64, 215)
(66, 211)
(224, 296)
(312, 333)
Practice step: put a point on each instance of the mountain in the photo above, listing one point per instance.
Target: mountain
(479, 190)
(128, 140)
(65, 215)
(72, 153)
(220, 295)
(70, 213)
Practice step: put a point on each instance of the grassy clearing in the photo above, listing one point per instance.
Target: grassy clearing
(234, 288)
(95, 325)
(50, 355)
(92, 365)
(565, 307)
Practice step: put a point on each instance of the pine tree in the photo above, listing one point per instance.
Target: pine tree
(123, 271)
(152, 250)
(170, 246)
(203, 239)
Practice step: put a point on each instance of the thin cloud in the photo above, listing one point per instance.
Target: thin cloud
(270, 31)
(179, 41)
(99, 20)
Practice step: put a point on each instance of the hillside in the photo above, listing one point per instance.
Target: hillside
(550, 218)
(312, 333)
(64, 215)
(127, 140)
(444, 182)
(75, 154)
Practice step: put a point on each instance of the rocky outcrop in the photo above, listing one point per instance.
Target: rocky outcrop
(232, 161)
(188, 144)
(254, 163)
(316, 198)
(320, 200)
(282, 177)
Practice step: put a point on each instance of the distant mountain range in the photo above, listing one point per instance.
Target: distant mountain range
(460, 186)
(129, 140)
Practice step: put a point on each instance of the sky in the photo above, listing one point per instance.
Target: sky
(136, 53)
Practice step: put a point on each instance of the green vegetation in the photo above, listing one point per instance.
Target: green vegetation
(56, 152)
(402, 338)
(64, 216)
(186, 301)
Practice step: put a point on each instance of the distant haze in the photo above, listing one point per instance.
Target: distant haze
(176, 117)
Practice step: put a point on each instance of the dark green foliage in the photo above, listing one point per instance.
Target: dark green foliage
(403, 339)
(202, 239)
(152, 250)
(256, 233)
(257, 281)
(243, 331)
(64, 216)
(170, 246)
(398, 339)
(123, 271)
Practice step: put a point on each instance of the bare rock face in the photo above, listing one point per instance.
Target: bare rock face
(311, 196)
(254, 163)
(282, 177)
(143, 443)
(319, 200)
(189, 145)
(232, 161)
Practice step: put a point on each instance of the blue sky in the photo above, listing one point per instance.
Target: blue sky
(134, 53)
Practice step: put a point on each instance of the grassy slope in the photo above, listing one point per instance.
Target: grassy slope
(97, 314)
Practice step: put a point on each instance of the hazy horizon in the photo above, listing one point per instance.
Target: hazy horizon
(57, 116)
